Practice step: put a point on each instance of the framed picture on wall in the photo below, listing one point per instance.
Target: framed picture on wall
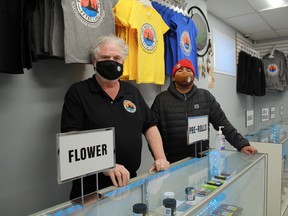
(265, 114)
(249, 118)
(272, 112)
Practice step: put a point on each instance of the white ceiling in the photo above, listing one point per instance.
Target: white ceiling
(249, 18)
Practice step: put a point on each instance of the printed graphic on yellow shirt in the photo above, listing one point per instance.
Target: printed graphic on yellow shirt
(185, 41)
(148, 37)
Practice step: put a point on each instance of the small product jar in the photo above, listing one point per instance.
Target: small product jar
(190, 193)
(169, 194)
(169, 207)
(139, 209)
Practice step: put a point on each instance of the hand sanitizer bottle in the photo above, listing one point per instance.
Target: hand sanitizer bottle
(219, 156)
(220, 140)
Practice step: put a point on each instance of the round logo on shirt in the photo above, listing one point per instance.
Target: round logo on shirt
(129, 106)
(185, 42)
(272, 69)
(148, 37)
(88, 12)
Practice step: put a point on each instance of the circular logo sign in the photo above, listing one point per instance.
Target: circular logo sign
(272, 69)
(88, 12)
(185, 42)
(148, 37)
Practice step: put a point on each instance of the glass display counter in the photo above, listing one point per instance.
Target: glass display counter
(218, 184)
(274, 142)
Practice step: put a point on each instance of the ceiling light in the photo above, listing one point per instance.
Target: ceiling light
(275, 3)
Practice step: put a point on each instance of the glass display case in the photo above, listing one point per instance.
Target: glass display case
(274, 142)
(216, 184)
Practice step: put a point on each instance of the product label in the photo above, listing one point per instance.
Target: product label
(191, 197)
(222, 143)
(169, 212)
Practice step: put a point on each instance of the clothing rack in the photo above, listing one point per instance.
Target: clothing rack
(243, 44)
(249, 50)
(176, 5)
(269, 47)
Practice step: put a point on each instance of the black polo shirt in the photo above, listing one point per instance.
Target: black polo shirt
(88, 107)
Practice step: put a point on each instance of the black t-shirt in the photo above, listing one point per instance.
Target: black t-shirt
(88, 107)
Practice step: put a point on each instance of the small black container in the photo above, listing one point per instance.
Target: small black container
(169, 205)
(190, 193)
(139, 209)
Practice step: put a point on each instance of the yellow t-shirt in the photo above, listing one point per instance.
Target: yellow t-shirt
(149, 44)
(142, 28)
(122, 14)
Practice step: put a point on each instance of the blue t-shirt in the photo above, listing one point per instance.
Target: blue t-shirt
(186, 33)
(179, 40)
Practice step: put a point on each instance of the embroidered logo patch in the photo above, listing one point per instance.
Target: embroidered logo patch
(129, 106)
(148, 38)
(89, 12)
(185, 42)
(178, 66)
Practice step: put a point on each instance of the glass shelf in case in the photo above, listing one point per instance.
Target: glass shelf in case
(274, 143)
(244, 173)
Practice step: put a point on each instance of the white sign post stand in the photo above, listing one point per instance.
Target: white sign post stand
(82, 153)
(197, 130)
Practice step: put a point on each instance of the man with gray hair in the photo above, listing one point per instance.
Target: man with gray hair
(104, 101)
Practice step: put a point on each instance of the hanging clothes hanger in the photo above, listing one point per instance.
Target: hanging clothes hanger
(160, 2)
(146, 2)
(172, 6)
(272, 52)
(164, 3)
(185, 13)
(180, 10)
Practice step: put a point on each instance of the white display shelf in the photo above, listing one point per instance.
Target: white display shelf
(276, 148)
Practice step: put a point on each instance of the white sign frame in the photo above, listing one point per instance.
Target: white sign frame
(249, 118)
(265, 114)
(272, 112)
(198, 129)
(82, 153)
(281, 110)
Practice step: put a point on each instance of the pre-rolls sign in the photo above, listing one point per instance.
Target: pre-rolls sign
(197, 129)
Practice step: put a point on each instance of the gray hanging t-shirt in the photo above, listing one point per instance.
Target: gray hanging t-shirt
(275, 73)
(84, 22)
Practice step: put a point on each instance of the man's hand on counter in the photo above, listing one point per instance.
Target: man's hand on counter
(119, 175)
(160, 165)
(249, 150)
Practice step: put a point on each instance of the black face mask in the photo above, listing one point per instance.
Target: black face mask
(109, 69)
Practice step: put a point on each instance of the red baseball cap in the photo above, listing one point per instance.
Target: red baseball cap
(183, 63)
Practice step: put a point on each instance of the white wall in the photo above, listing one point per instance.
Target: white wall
(30, 109)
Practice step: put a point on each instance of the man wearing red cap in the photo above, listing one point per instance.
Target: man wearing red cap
(182, 100)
